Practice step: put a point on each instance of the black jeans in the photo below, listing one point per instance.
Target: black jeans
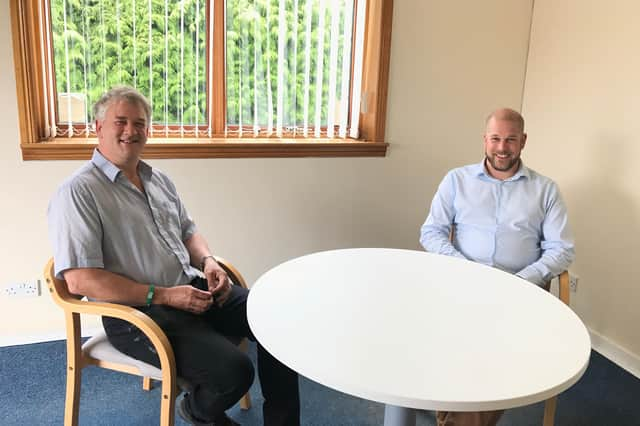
(218, 371)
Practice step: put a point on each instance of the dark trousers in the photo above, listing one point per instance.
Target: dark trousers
(216, 369)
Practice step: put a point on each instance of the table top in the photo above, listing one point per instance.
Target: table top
(418, 330)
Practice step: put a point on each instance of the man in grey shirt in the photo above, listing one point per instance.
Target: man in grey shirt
(120, 233)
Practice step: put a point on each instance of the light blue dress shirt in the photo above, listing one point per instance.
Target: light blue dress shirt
(518, 225)
(99, 219)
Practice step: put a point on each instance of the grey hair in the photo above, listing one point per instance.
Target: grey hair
(121, 93)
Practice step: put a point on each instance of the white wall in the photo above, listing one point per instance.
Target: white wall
(450, 66)
(582, 104)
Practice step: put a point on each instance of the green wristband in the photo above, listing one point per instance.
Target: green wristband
(152, 289)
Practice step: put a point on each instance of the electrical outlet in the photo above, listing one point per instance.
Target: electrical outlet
(573, 282)
(23, 289)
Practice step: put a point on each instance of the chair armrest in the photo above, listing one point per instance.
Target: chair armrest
(72, 305)
(231, 270)
(141, 320)
(563, 287)
(123, 312)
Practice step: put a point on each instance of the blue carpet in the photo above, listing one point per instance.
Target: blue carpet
(33, 384)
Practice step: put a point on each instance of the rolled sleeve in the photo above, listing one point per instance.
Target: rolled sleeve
(557, 245)
(531, 274)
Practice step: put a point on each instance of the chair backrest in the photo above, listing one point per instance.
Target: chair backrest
(58, 288)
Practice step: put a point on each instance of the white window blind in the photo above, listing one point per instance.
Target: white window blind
(293, 67)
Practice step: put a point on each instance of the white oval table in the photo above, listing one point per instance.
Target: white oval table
(417, 330)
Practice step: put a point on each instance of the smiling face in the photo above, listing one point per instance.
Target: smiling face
(503, 142)
(122, 133)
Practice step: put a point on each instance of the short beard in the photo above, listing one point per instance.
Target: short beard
(514, 162)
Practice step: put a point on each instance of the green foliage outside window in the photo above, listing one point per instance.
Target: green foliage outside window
(100, 49)
(99, 44)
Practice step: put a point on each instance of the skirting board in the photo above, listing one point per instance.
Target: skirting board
(615, 353)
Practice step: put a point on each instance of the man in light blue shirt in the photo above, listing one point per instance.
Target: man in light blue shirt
(502, 214)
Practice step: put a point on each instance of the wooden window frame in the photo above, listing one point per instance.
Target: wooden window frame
(27, 51)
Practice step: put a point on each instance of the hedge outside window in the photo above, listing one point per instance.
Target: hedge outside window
(249, 78)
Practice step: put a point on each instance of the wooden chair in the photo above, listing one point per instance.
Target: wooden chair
(563, 295)
(99, 352)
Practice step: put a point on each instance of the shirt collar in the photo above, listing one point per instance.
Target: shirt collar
(480, 171)
(112, 171)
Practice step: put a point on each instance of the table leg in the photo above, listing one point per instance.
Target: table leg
(399, 416)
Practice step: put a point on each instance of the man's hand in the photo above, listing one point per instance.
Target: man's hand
(219, 284)
(186, 297)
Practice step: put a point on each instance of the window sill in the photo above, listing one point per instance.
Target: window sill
(81, 149)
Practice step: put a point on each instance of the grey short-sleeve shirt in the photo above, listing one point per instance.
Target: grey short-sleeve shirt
(99, 219)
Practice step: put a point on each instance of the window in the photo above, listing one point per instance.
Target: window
(245, 78)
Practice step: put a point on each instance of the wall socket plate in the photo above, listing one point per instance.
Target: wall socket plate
(573, 282)
(30, 288)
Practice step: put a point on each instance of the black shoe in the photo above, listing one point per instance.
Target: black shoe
(185, 414)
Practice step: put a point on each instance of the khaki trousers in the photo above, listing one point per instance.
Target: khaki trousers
(472, 418)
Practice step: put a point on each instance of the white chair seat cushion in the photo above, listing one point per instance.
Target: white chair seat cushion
(98, 347)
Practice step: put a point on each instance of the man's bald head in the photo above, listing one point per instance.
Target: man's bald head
(507, 114)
